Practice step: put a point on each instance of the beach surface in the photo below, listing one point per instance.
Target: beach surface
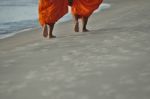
(112, 61)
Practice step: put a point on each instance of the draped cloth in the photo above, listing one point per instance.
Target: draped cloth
(50, 11)
(85, 7)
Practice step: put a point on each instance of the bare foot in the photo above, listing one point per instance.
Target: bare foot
(45, 31)
(76, 28)
(85, 30)
(52, 36)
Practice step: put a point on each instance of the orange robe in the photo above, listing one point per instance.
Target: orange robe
(50, 11)
(85, 7)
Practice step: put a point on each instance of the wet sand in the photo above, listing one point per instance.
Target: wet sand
(112, 61)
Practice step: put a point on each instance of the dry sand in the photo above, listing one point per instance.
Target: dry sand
(110, 62)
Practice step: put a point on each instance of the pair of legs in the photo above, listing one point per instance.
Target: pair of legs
(84, 22)
(48, 30)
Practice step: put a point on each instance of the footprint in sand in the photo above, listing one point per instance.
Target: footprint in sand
(8, 63)
(17, 87)
(31, 75)
(127, 80)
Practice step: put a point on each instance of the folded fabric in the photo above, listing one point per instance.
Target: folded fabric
(85, 7)
(50, 11)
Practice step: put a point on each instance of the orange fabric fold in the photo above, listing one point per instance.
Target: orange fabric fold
(85, 7)
(50, 11)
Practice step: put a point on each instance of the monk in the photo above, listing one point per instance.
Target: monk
(50, 11)
(83, 9)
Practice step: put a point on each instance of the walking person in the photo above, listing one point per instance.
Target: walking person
(50, 11)
(82, 9)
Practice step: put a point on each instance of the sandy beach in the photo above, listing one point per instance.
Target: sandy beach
(112, 61)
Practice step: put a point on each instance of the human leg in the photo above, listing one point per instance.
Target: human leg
(45, 31)
(51, 27)
(85, 21)
(76, 18)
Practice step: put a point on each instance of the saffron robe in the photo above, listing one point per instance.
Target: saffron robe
(85, 7)
(50, 11)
